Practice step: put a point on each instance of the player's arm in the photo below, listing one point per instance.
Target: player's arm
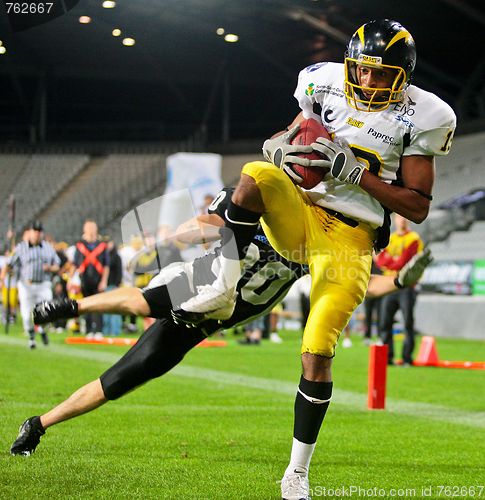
(200, 229)
(380, 285)
(409, 275)
(412, 200)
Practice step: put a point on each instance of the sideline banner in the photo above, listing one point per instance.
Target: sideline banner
(478, 277)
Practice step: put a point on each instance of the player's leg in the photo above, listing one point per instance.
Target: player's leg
(26, 305)
(407, 301)
(125, 300)
(43, 293)
(389, 307)
(369, 309)
(340, 268)
(262, 189)
(157, 351)
(242, 220)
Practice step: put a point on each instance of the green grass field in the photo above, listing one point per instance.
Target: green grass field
(220, 426)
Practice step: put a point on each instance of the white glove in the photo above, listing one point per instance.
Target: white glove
(281, 153)
(414, 269)
(342, 162)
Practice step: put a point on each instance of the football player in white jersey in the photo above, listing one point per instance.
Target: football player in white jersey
(386, 133)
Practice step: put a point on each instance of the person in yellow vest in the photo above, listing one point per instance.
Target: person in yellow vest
(404, 244)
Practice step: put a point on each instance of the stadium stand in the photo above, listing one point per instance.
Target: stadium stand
(106, 189)
(35, 180)
(458, 232)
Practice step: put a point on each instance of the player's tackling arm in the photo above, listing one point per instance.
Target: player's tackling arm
(411, 200)
(201, 229)
(409, 275)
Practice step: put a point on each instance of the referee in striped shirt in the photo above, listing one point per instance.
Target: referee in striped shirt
(35, 260)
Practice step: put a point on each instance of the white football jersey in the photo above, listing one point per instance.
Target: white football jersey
(422, 124)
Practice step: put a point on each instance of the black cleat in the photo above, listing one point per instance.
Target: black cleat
(29, 436)
(50, 310)
(189, 319)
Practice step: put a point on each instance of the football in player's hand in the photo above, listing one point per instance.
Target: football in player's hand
(309, 131)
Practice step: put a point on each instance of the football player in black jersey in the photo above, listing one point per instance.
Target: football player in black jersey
(265, 282)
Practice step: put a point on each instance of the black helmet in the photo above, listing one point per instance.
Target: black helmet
(385, 44)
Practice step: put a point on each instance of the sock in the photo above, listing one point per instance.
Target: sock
(239, 230)
(36, 423)
(311, 403)
(31, 334)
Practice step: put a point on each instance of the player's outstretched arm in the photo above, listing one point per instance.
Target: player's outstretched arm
(409, 275)
(201, 229)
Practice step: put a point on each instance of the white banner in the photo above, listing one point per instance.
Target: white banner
(200, 173)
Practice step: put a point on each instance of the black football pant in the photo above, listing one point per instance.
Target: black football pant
(404, 300)
(371, 305)
(158, 350)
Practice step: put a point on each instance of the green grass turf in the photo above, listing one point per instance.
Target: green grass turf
(203, 433)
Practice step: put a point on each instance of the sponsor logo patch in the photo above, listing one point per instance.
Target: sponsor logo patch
(405, 120)
(369, 59)
(326, 116)
(354, 123)
(327, 89)
(405, 108)
(386, 139)
(314, 67)
(310, 90)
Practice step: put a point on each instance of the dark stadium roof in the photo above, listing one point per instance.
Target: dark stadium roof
(74, 81)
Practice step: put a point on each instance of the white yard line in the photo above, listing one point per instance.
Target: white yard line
(356, 401)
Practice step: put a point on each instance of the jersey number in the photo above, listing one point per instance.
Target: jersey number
(369, 157)
(217, 200)
(249, 292)
(446, 146)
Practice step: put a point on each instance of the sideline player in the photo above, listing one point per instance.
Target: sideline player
(386, 134)
(165, 343)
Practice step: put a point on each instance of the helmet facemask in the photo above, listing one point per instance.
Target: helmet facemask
(381, 98)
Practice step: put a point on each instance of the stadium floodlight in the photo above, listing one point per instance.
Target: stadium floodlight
(1, 43)
(231, 38)
(129, 42)
(109, 4)
(2, 50)
(116, 32)
(84, 19)
(220, 31)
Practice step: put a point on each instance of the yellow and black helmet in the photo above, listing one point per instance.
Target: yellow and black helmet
(380, 43)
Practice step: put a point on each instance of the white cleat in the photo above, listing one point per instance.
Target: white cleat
(212, 303)
(295, 487)
(347, 342)
(275, 338)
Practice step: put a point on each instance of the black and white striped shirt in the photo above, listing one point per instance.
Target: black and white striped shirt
(30, 260)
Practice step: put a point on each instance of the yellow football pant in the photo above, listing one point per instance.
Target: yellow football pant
(13, 296)
(339, 256)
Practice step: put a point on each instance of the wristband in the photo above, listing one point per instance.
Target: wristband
(396, 282)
